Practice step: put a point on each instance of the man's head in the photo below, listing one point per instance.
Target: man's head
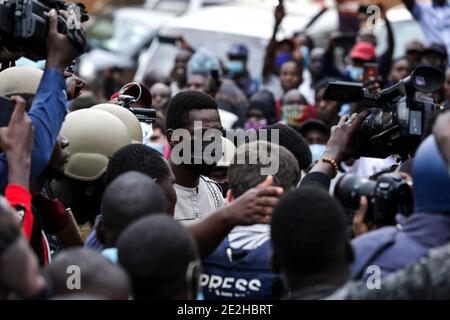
(361, 53)
(291, 75)
(327, 110)
(413, 52)
(198, 82)
(60, 155)
(160, 95)
(179, 71)
(315, 65)
(237, 59)
(184, 109)
(309, 239)
(296, 109)
(140, 158)
(367, 35)
(315, 132)
(261, 110)
(435, 55)
(400, 69)
(129, 197)
(251, 158)
(293, 142)
(161, 259)
(23, 81)
(97, 275)
(19, 267)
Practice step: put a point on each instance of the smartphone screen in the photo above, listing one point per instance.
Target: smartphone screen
(371, 70)
(6, 111)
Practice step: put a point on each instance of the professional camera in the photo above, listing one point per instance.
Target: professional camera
(24, 25)
(387, 196)
(129, 95)
(397, 115)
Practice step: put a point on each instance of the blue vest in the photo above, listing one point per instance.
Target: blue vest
(240, 274)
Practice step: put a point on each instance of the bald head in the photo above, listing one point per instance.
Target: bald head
(98, 276)
(129, 197)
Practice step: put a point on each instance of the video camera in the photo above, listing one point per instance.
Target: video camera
(397, 115)
(24, 25)
(387, 196)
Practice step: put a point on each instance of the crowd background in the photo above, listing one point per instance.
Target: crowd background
(87, 183)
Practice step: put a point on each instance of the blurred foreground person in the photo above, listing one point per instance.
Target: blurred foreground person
(161, 259)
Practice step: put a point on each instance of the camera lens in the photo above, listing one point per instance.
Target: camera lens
(350, 188)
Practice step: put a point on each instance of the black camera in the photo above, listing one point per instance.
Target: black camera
(387, 196)
(397, 115)
(24, 25)
(142, 114)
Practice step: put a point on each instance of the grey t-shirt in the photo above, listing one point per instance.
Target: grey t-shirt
(196, 203)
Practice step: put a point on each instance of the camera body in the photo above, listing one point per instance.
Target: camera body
(397, 115)
(387, 196)
(24, 25)
(144, 115)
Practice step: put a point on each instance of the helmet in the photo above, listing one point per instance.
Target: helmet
(94, 136)
(431, 180)
(238, 50)
(127, 117)
(228, 151)
(20, 80)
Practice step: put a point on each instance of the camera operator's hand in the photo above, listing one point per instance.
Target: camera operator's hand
(60, 50)
(255, 206)
(341, 145)
(16, 141)
(441, 131)
(359, 225)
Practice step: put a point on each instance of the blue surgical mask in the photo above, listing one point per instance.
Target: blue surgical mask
(235, 66)
(317, 151)
(305, 53)
(355, 73)
(156, 146)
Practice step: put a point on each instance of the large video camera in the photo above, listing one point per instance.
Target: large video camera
(24, 25)
(397, 115)
(387, 196)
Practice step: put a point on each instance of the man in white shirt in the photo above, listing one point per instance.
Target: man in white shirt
(197, 195)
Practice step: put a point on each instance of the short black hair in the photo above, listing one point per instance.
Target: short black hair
(137, 157)
(129, 197)
(294, 142)
(309, 232)
(99, 276)
(247, 175)
(156, 252)
(181, 105)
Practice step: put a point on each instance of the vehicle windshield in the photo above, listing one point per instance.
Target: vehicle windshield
(218, 43)
(128, 34)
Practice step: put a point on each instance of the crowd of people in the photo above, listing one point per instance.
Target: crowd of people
(90, 189)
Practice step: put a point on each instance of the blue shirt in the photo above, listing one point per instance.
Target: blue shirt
(392, 248)
(47, 114)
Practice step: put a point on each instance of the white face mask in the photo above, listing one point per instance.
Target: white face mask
(317, 151)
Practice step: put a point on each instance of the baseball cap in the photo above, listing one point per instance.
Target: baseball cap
(363, 51)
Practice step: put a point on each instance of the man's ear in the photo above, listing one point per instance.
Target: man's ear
(169, 138)
(349, 253)
(276, 265)
(230, 197)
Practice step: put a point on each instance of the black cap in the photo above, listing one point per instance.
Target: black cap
(437, 49)
(313, 124)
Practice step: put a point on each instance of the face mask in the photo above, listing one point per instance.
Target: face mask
(317, 151)
(355, 73)
(235, 66)
(305, 54)
(156, 146)
(255, 124)
(204, 168)
(282, 58)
